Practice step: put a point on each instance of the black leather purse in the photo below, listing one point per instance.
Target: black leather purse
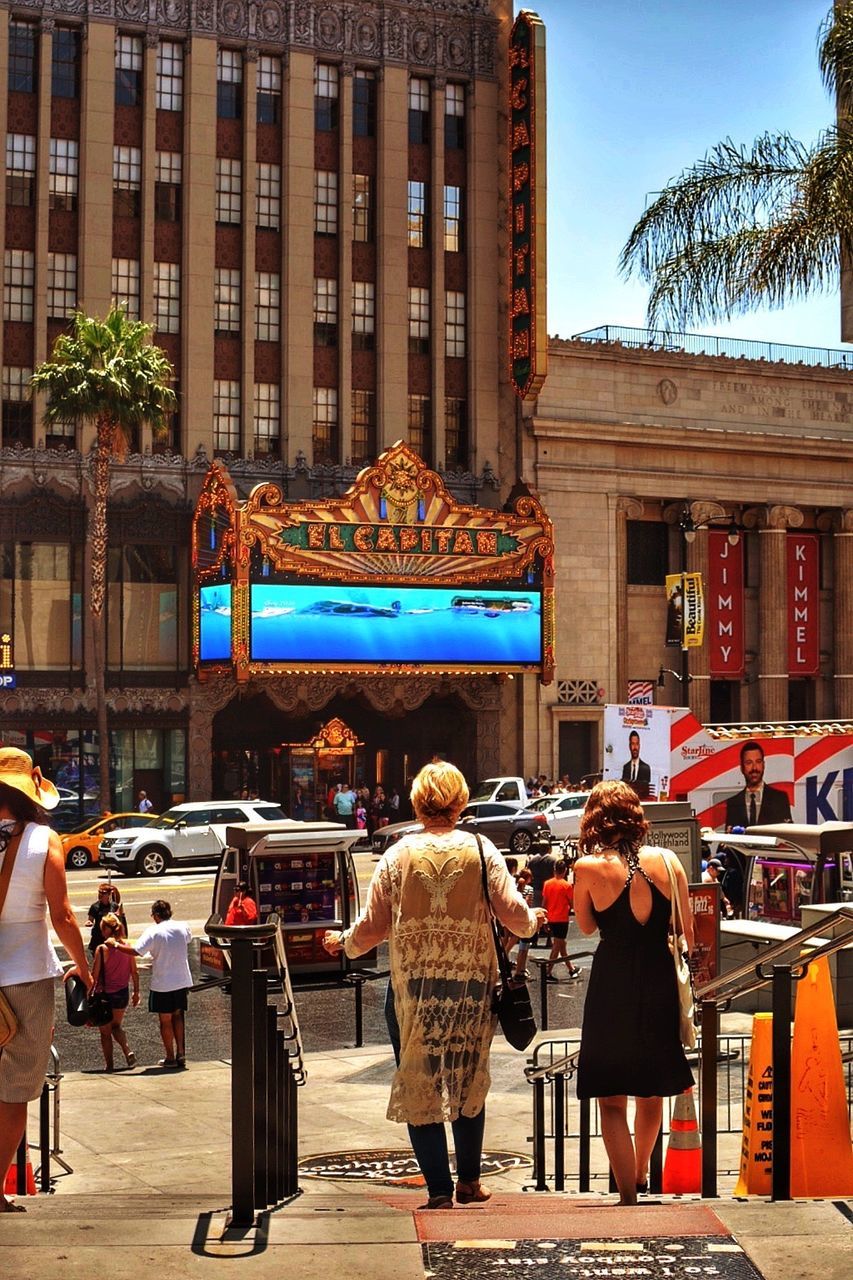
(511, 999)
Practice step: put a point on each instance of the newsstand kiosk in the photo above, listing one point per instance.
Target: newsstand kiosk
(304, 871)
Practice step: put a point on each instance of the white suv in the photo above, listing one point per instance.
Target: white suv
(187, 835)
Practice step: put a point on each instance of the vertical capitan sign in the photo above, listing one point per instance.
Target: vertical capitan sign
(803, 604)
(528, 338)
(726, 649)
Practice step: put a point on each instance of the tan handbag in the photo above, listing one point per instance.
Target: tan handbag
(683, 978)
(8, 1021)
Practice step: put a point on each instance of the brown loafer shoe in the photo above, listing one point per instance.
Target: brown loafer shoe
(438, 1202)
(471, 1193)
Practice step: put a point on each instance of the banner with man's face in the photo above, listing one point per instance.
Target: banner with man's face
(636, 748)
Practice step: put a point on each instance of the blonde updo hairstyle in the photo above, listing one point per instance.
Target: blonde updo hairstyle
(613, 819)
(439, 793)
(113, 923)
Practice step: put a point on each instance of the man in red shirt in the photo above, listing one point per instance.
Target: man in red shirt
(557, 895)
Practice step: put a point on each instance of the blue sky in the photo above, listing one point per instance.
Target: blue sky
(637, 91)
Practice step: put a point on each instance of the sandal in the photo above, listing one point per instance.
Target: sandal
(438, 1202)
(471, 1193)
(9, 1206)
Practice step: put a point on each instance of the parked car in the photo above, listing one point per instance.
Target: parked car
(564, 811)
(186, 835)
(505, 790)
(80, 846)
(74, 809)
(505, 825)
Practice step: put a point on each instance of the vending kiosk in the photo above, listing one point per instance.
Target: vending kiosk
(304, 871)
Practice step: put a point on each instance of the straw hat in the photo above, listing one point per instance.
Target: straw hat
(17, 770)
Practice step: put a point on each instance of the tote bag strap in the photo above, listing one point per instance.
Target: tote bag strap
(503, 962)
(8, 866)
(675, 901)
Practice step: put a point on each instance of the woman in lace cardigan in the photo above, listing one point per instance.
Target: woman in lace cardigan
(426, 897)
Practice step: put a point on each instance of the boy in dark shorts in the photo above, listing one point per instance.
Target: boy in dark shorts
(557, 897)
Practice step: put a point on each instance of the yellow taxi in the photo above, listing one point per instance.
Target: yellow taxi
(80, 846)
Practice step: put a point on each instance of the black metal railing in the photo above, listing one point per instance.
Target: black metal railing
(722, 1062)
(267, 1067)
(705, 344)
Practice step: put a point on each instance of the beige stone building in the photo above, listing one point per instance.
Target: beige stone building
(307, 200)
(625, 444)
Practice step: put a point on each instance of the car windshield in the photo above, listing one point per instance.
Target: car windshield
(483, 790)
(543, 803)
(270, 813)
(82, 826)
(169, 818)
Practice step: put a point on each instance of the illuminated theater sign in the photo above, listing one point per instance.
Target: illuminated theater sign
(528, 339)
(393, 575)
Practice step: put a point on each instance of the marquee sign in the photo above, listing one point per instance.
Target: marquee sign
(393, 575)
(528, 338)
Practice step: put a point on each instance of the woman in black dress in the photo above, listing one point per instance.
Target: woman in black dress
(630, 1044)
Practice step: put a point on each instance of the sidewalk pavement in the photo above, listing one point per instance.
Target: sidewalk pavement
(150, 1150)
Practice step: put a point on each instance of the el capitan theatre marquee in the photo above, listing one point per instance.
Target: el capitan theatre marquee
(394, 575)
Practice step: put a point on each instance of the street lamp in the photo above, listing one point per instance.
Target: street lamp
(689, 529)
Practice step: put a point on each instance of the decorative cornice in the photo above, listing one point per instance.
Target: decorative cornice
(458, 37)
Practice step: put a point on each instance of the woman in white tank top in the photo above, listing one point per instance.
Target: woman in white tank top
(29, 964)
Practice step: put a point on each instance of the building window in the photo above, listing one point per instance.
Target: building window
(128, 71)
(269, 90)
(64, 165)
(167, 186)
(420, 426)
(362, 207)
(648, 552)
(226, 416)
(23, 46)
(127, 181)
(61, 285)
(417, 215)
(364, 105)
(325, 312)
(363, 427)
(326, 202)
(229, 84)
(454, 324)
(170, 76)
(454, 117)
(229, 181)
(226, 300)
(453, 232)
(126, 285)
(167, 297)
(267, 417)
(20, 169)
(325, 97)
(268, 196)
(456, 434)
(267, 306)
(419, 321)
(363, 315)
(65, 63)
(143, 619)
(418, 110)
(18, 281)
(325, 430)
(17, 408)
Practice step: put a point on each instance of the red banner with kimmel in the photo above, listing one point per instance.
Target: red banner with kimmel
(803, 604)
(725, 605)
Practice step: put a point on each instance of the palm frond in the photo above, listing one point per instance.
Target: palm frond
(835, 54)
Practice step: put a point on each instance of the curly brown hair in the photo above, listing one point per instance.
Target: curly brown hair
(613, 819)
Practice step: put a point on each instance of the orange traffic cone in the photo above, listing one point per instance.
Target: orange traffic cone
(682, 1169)
(11, 1184)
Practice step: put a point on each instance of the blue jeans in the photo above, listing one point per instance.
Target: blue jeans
(429, 1141)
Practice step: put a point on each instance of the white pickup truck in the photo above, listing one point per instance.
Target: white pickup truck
(506, 790)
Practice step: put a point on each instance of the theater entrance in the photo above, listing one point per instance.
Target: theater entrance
(298, 760)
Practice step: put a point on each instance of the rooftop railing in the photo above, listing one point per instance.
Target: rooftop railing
(705, 344)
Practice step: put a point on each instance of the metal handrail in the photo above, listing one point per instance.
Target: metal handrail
(778, 949)
(563, 1066)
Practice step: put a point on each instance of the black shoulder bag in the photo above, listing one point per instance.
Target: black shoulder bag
(511, 999)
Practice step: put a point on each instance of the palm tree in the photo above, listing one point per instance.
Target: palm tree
(757, 225)
(106, 371)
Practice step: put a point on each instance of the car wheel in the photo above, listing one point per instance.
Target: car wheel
(520, 842)
(152, 861)
(78, 858)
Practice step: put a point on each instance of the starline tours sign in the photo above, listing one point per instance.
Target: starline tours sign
(528, 338)
(393, 575)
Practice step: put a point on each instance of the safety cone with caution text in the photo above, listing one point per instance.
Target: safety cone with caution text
(10, 1186)
(682, 1169)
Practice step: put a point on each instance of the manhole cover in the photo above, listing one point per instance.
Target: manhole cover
(394, 1168)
